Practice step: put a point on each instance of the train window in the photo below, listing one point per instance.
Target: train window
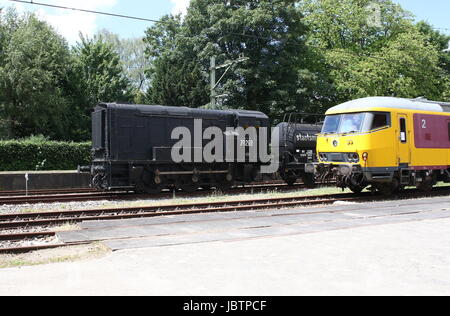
(356, 122)
(403, 132)
(352, 123)
(380, 120)
(331, 124)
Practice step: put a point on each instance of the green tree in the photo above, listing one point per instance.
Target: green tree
(390, 57)
(132, 55)
(276, 78)
(96, 76)
(442, 43)
(176, 77)
(34, 70)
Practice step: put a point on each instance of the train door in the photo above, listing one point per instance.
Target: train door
(403, 140)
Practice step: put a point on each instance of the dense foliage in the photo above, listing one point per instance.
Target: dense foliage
(277, 77)
(303, 55)
(48, 88)
(37, 153)
(389, 57)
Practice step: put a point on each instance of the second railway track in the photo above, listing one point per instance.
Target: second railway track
(92, 195)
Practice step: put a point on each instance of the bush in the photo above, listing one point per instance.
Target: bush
(38, 153)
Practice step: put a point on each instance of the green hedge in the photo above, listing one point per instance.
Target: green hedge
(40, 154)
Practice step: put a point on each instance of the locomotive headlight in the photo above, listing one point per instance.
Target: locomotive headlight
(365, 157)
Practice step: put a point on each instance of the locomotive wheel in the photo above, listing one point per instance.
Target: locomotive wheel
(309, 180)
(189, 188)
(145, 189)
(426, 185)
(355, 189)
(147, 185)
(291, 181)
(206, 187)
(224, 185)
(387, 189)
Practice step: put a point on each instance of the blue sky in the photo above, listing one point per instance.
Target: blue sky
(70, 23)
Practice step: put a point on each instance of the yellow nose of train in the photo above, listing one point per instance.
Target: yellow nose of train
(337, 149)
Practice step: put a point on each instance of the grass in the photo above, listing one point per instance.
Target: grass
(58, 255)
(224, 197)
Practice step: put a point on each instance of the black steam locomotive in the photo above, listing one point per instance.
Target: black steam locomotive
(134, 146)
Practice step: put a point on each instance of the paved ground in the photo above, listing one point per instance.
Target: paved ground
(400, 248)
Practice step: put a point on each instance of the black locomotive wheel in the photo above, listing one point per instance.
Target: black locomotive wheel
(291, 181)
(388, 189)
(426, 185)
(189, 188)
(224, 185)
(147, 185)
(355, 189)
(309, 180)
(145, 189)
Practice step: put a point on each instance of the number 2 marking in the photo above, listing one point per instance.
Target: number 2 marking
(424, 124)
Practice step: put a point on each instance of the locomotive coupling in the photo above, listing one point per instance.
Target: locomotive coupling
(343, 169)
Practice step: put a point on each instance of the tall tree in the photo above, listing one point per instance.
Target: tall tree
(275, 79)
(442, 43)
(97, 76)
(176, 75)
(33, 73)
(132, 55)
(373, 48)
(99, 71)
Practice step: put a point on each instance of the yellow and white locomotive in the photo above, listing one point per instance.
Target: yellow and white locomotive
(384, 142)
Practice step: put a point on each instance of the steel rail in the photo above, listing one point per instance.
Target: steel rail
(20, 193)
(122, 195)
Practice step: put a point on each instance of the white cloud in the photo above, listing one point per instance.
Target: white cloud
(67, 22)
(180, 6)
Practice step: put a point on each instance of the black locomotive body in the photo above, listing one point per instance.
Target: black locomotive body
(297, 143)
(132, 148)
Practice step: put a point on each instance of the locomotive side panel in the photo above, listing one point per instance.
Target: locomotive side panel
(432, 141)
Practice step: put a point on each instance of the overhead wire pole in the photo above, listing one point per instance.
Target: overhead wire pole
(215, 83)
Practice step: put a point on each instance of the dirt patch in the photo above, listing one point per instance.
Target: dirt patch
(63, 254)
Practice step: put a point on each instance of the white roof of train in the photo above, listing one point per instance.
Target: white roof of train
(391, 102)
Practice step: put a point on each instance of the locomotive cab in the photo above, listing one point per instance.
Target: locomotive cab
(346, 143)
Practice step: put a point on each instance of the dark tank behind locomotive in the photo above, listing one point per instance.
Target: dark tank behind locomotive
(132, 147)
(298, 140)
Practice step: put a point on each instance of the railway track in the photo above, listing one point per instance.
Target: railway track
(45, 192)
(93, 195)
(15, 224)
